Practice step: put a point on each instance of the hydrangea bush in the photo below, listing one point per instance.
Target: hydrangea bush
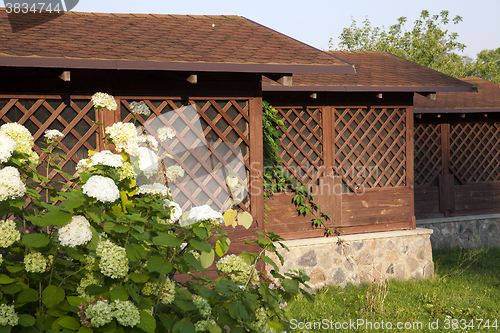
(112, 256)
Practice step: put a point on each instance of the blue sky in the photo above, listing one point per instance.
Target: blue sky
(315, 21)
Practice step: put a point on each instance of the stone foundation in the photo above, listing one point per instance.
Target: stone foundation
(371, 257)
(464, 231)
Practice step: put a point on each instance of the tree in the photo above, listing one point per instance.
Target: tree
(429, 43)
(488, 65)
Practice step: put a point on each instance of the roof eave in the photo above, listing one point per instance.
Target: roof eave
(438, 111)
(171, 66)
(365, 89)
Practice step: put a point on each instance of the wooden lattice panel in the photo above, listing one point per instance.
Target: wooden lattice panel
(475, 152)
(212, 137)
(302, 143)
(75, 118)
(370, 147)
(428, 161)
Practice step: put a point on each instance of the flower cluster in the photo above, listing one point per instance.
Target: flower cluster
(149, 141)
(107, 158)
(101, 188)
(155, 188)
(173, 172)
(167, 294)
(140, 108)
(126, 313)
(90, 278)
(76, 232)
(114, 261)
(202, 305)
(237, 269)
(24, 139)
(124, 137)
(126, 171)
(11, 185)
(7, 147)
(35, 262)
(175, 211)
(148, 161)
(8, 233)
(104, 101)
(100, 313)
(8, 315)
(53, 134)
(205, 213)
(202, 325)
(165, 133)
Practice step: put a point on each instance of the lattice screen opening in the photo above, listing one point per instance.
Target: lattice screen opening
(302, 144)
(428, 162)
(474, 151)
(370, 146)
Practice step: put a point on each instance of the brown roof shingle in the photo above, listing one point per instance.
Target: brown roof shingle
(375, 71)
(486, 99)
(181, 42)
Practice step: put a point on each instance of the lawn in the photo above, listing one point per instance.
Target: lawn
(464, 296)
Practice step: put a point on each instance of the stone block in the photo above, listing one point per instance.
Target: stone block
(317, 275)
(365, 258)
(412, 263)
(338, 276)
(308, 259)
(429, 270)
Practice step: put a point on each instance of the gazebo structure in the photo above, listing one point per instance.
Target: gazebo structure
(457, 174)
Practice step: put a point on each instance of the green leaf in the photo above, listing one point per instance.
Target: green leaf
(36, 240)
(185, 306)
(55, 216)
(147, 323)
(222, 246)
(69, 323)
(207, 258)
(95, 213)
(139, 277)
(75, 300)
(119, 293)
(4, 279)
(136, 252)
(26, 320)
(52, 296)
(95, 289)
(200, 232)
(12, 288)
(28, 295)
(230, 217)
(164, 239)
(159, 264)
(193, 262)
(15, 269)
(245, 219)
(84, 329)
(184, 327)
(291, 286)
(213, 328)
(107, 226)
(121, 229)
(75, 199)
(132, 291)
(270, 262)
(200, 245)
(92, 245)
(238, 311)
(5, 329)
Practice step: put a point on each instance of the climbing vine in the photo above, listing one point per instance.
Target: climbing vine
(275, 180)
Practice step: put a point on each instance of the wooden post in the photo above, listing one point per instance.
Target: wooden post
(445, 190)
(256, 189)
(410, 161)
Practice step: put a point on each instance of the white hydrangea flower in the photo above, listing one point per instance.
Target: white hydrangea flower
(104, 101)
(101, 188)
(8, 233)
(175, 211)
(202, 305)
(148, 161)
(140, 108)
(237, 269)
(126, 313)
(167, 294)
(7, 147)
(124, 136)
(24, 139)
(155, 188)
(53, 134)
(202, 325)
(149, 140)
(83, 165)
(8, 315)
(107, 158)
(165, 133)
(126, 171)
(100, 313)
(35, 262)
(204, 213)
(76, 232)
(1, 259)
(173, 172)
(90, 278)
(114, 261)
(11, 184)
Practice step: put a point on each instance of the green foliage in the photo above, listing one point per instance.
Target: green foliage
(487, 65)
(133, 256)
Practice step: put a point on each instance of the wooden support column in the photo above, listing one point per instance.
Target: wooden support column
(446, 186)
(329, 197)
(256, 189)
(410, 161)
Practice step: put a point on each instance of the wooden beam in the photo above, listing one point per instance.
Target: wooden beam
(410, 161)
(65, 76)
(193, 79)
(429, 95)
(286, 80)
(256, 185)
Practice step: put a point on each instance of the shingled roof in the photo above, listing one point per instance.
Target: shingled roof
(376, 71)
(162, 42)
(487, 99)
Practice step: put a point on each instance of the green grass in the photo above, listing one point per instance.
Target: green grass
(466, 287)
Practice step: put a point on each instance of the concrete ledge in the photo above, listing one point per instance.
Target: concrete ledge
(458, 219)
(357, 237)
